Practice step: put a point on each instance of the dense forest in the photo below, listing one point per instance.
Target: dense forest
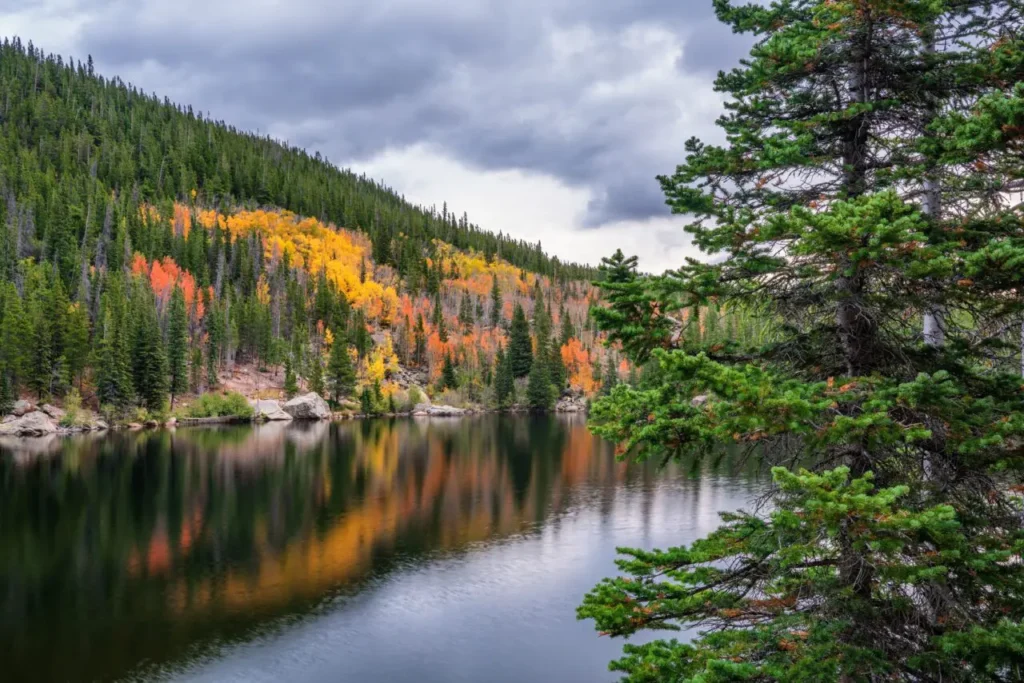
(147, 253)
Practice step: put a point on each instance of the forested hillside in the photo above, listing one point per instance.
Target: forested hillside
(147, 252)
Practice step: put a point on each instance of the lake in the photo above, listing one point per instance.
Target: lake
(393, 550)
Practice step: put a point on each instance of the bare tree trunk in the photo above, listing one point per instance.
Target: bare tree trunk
(934, 322)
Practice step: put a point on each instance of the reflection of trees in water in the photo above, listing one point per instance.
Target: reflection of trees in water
(198, 528)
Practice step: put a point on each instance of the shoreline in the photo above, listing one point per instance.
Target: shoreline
(174, 423)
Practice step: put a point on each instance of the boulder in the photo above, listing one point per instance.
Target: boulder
(571, 404)
(53, 411)
(34, 423)
(269, 411)
(311, 406)
(21, 407)
(698, 401)
(425, 409)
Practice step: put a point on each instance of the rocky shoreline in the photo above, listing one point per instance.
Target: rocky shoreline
(30, 420)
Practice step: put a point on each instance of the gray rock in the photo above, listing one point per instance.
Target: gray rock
(30, 424)
(21, 407)
(268, 410)
(425, 409)
(53, 411)
(311, 406)
(698, 401)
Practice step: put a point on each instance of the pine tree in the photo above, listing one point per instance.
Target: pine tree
(888, 561)
(15, 337)
(150, 372)
(76, 342)
(539, 395)
(567, 329)
(610, 378)
(419, 353)
(466, 313)
(504, 382)
(316, 373)
(448, 379)
(520, 347)
(341, 374)
(113, 366)
(291, 384)
(442, 330)
(496, 302)
(556, 369)
(177, 344)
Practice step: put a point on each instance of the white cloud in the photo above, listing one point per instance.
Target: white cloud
(529, 206)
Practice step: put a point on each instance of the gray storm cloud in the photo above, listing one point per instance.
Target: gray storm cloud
(548, 87)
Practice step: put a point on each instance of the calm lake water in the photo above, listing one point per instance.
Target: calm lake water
(408, 550)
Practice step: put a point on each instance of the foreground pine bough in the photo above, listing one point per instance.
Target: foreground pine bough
(864, 209)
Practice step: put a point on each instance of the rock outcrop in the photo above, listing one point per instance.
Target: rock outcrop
(269, 411)
(21, 407)
(310, 406)
(34, 423)
(53, 412)
(427, 410)
(571, 404)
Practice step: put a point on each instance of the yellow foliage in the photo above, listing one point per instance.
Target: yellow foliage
(381, 363)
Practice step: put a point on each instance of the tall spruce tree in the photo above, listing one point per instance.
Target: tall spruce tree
(149, 355)
(177, 344)
(341, 373)
(891, 558)
(504, 382)
(496, 302)
(466, 318)
(520, 346)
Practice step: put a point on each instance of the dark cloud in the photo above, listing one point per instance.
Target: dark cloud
(598, 93)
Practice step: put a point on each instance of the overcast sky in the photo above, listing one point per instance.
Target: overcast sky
(546, 119)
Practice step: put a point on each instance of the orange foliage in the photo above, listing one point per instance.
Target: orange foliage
(577, 362)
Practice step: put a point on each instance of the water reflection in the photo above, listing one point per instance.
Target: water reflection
(121, 553)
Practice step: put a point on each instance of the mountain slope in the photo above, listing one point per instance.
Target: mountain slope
(147, 252)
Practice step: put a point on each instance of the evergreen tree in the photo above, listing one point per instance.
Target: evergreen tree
(539, 395)
(610, 378)
(497, 303)
(504, 382)
(419, 353)
(76, 342)
(15, 337)
(113, 365)
(520, 347)
(556, 369)
(341, 373)
(177, 344)
(442, 330)
(291, 385)
(466, 313)
(150, 372)
(448, 379)
(567, 330)
(316, 373)
(887, 561)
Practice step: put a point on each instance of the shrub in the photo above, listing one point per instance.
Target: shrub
(72, 409)
(227, 404)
